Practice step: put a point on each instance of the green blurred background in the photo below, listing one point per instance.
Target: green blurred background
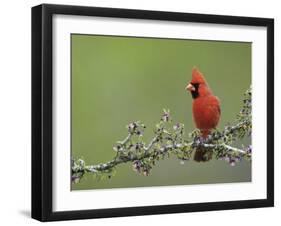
(117, 80)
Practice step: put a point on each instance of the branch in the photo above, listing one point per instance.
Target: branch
(169, 140)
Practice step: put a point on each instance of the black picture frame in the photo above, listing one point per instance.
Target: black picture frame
(42, 84)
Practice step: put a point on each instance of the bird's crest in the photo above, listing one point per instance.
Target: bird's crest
(197, 76)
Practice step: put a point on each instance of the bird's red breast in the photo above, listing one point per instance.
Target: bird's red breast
(206, 113)
(205, 106)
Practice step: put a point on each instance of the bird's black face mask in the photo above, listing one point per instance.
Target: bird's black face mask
(195, 93)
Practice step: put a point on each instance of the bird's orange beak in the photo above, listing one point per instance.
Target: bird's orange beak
(190, 87)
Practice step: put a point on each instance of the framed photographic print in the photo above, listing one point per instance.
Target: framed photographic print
(145, 112)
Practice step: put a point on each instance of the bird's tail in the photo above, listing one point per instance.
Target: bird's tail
(202, 155)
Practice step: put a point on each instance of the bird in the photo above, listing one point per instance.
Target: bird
(206, 110)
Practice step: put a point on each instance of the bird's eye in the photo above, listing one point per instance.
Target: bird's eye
(196, 85)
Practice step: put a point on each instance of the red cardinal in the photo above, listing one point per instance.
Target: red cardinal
(205, 107)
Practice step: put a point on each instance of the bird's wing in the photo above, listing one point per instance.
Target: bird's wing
(214, 111)
(216, 102)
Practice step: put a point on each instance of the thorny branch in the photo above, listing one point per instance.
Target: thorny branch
(169, 140)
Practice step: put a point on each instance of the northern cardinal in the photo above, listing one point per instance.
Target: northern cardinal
(205, 108)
